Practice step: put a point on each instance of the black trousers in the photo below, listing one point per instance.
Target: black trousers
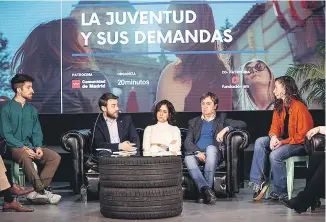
(315, 187)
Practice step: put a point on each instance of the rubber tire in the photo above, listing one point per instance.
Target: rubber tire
(135, 209)
(140, 193)
(141, 170)
(141, 188)
(144, 172)
(140, 197)
(142, 215)
(143, 203)
(141, 161)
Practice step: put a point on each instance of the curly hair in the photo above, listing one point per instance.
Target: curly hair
(172, 113)
(291, 92)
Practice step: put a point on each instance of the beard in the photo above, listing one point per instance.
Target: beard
(112, 115)
(28, 97)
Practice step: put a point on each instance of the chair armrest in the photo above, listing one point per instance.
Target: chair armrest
(237, 137)
(234, 141)
(77, 142)
(76, 139)
(315, 144)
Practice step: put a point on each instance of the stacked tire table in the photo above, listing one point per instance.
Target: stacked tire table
(140, 187)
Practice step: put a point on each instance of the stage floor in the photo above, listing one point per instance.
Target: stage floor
(241, 208)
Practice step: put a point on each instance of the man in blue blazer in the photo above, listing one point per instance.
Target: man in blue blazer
(112, 131)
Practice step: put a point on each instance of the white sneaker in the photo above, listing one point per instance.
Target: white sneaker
(37, 198)
(52, 198)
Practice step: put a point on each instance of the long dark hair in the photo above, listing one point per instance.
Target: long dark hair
(40, 54)
(198, 66)
(172, 113)
(291, 92)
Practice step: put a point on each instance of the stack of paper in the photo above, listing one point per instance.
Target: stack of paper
(126, 153)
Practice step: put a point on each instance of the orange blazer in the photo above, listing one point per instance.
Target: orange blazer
(300, 121)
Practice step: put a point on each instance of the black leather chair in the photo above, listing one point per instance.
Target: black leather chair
(226, 181)
(315, 144)
(78, 144)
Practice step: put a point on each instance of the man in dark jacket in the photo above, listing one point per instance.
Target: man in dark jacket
(112, 131)
(204, 144)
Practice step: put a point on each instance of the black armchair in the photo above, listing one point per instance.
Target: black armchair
(78, 144)
(315, 144)
(226, 179)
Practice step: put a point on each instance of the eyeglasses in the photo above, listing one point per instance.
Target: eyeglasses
(260, 66)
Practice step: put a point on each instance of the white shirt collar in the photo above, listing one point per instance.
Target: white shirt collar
(210, 119)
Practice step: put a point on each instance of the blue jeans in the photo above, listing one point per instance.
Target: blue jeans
(211, 163)
(265, 160)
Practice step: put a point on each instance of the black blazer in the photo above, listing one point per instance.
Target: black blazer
(194, 130)
(127, 132)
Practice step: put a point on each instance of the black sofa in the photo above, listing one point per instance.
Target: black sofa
(226, 180)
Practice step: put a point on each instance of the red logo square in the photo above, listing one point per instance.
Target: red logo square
(235, 80)
(75, 84)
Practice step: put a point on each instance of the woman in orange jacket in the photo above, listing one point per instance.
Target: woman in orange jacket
(291, 121)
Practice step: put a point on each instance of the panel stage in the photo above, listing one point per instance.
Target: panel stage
(241, 208)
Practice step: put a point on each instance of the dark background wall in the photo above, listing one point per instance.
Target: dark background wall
(54, 125)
